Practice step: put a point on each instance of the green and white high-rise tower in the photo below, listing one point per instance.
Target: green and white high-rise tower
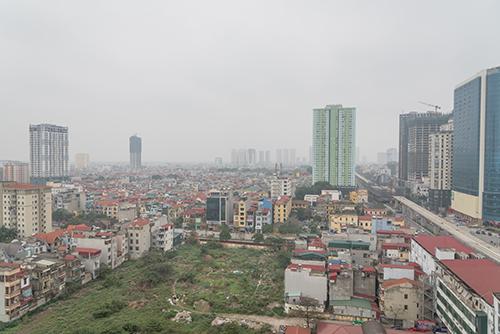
(334, 130)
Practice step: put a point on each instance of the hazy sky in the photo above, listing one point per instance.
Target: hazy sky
(197, 78)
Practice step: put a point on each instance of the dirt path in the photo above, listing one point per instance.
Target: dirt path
(272, 321)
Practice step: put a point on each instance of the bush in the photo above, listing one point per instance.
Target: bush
(188, 277)
(108, 309)
(268, 228)
(258, 237)
(131, 328)
(225, 234)
(157, 273)
(290, 228)
(153, 326)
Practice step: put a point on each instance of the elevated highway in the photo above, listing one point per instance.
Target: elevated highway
(461, 234)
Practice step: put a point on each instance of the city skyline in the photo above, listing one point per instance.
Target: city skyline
(157, 92)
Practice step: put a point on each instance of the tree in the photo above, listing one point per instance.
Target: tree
(179, 221)
(315, 189)
(62, 215)
(224, 234)
(258, 237)
(290, 228)
(302, 214)
(268, 228)
(7, 234)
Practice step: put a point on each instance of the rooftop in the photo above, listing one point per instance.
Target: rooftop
(297, 330)
(430, 243)
(482, 276)
(396, 282)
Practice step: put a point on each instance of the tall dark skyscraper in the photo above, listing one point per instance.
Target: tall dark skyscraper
(135, 152)
(476, 147)
(414, 131)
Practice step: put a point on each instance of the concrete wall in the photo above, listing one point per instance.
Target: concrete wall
(342, 288)
(309, 285)
(364, 283)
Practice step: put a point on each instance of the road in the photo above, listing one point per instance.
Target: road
(459, 233)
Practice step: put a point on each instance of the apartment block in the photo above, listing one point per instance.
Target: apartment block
(16, 172)
(25, 207)
(49, 151)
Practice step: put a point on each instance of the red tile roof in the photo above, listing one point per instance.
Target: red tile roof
(140, 222)
(430, 243)
(85, 250)
(50, 237)
(337, 328)
(297, 330)
(106, 203)
(482, 276)
(395, 282)
(80, 227)
(9, 265)
(24, 186)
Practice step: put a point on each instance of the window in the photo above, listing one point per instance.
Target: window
(406, 307)
(406, 296)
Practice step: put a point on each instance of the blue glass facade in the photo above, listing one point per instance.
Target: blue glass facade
(466, 120)
(491, 194)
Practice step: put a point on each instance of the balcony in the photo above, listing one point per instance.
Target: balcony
(11, 283)
(13, 294)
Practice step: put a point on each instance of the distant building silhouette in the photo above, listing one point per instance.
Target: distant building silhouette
(135, 152)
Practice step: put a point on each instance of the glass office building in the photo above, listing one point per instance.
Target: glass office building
(476, 147)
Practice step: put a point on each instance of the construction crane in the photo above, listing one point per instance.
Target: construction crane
(436, 107)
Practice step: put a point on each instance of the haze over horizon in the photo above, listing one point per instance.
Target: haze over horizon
(195, 79)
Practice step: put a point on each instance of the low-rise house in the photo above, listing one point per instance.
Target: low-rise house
(365, 282)
(90, 258)
(75, 270)
(395, 252)
(401, 301)
(282, 209)
(48, 278)
(15, 292)
(12, 251)
(305, 281)
(359, 196)
(341, 221)
(263, 217)
(340, 281)
(108, 208)
(365, 223)
(374, 210)
(354, 252)
(391, 271)
(139, 237)
(55, 239)
(112, 246)
(162, 237)
(354, 309)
